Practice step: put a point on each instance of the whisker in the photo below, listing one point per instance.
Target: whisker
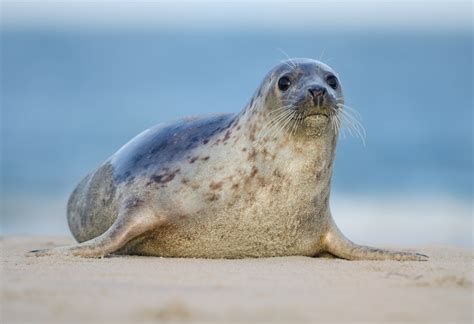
(355, 128)
(334, 124)
(287, 124)
(350, 119)
(281, 124)
(274, 120)
(270, 126)
(338, 124)
(281, 108)
(351, 109)
(292, 64)
(284, 125)
(296, 123)
(322, 54)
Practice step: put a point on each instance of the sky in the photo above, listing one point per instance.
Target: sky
(417, 15)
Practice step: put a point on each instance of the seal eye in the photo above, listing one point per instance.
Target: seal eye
(332, 81)
(284, 83)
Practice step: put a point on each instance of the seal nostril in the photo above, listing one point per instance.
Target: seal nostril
(317, 91)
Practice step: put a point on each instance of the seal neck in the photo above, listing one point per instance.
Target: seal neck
(309, 149)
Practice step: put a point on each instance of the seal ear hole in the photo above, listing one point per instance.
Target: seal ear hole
(332, 81)
(284, 83)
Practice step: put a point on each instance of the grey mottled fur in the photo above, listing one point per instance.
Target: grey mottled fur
(219, 187)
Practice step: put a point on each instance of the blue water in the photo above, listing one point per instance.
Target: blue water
(71, 99)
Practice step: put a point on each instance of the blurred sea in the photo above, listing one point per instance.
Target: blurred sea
(70, 99)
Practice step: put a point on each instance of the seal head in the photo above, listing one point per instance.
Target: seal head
(306, 91)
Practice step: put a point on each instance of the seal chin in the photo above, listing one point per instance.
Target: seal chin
(315, 124)
(316, 120)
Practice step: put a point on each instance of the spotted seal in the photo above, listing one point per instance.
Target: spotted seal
(251, 184)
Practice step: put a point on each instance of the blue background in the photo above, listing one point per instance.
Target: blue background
(71, 98)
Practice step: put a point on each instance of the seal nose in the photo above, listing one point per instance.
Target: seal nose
(317, 91)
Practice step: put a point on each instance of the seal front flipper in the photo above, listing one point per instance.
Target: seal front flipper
(133, 221)
(337, 244)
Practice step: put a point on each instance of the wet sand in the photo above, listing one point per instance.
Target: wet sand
(291, 289)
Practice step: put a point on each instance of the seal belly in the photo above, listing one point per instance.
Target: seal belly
(215, 242)
(92, 207)
(286, 228)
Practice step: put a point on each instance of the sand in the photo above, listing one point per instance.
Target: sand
(291, 289)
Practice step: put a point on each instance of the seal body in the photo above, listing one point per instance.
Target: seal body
(220, 195)
(251, 184)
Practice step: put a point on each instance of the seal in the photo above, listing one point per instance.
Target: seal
(251, 184)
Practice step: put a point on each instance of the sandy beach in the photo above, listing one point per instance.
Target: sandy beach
(291, 289)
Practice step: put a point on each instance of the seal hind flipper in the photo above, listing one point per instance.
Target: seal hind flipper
(131, 223)
(337, 244)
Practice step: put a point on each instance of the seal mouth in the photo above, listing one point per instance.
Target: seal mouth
(317, 114)
(316, 120)
(317, 117)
